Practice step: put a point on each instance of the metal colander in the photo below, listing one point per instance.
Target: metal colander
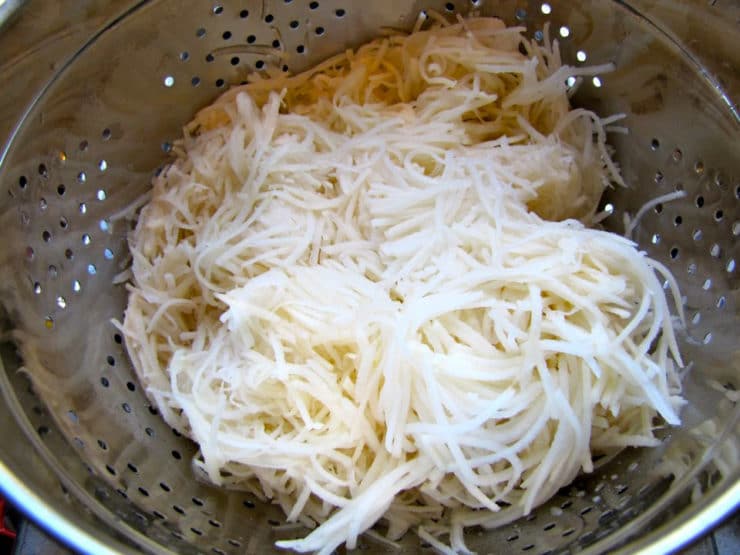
(86, 455)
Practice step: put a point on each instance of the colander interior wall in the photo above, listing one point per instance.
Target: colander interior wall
(91, 143)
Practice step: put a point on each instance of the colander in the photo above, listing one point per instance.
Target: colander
(86, 455)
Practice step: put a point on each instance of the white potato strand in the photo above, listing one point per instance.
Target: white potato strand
(398, 320)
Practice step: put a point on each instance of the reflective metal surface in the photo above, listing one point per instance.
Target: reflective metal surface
(8, 10)
(85, 452)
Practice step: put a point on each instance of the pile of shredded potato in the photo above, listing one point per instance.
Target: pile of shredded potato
(369, 291)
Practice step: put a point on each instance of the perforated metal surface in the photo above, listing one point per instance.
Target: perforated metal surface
(92, 141)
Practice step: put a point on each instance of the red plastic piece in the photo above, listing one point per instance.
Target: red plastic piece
(4, 530)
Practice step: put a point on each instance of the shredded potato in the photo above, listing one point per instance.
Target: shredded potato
(370, 294)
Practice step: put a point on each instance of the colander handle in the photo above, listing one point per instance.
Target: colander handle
(5, 531)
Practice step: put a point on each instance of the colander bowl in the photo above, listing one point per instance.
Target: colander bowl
(87, 456)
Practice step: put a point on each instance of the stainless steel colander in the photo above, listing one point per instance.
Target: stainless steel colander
(83, 451)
